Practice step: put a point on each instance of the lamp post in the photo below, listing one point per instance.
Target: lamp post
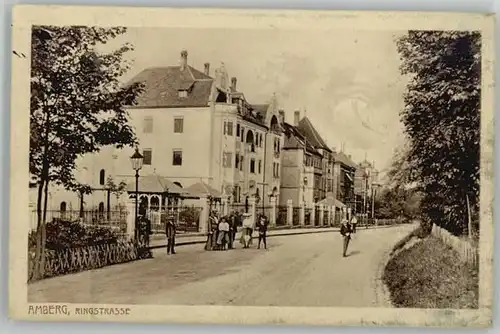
(136, 160)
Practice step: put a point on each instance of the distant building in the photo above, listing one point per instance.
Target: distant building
(366, 177)
(344, 170)
(307, 166)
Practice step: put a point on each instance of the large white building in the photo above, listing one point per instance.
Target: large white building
(192, 127)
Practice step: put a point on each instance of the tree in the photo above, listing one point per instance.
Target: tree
(77, 107)
(441, 119)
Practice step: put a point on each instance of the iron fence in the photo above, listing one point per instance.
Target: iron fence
(296, 216)
(325, 218)
(281, 215)
(307, 216)
(116, 218)
(187, 219)
(316, 216)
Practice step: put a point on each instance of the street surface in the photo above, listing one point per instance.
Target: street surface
(295, 270)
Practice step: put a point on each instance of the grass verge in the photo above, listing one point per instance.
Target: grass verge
(431, 275)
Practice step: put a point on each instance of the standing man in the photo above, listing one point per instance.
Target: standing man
(170, 232)
(345, 231)
(262, 226)
(354, 222)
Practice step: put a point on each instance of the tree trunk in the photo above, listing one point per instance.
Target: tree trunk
(44, 231)
(38, 249)
(109, 204)
(469, 220)
(81, 205)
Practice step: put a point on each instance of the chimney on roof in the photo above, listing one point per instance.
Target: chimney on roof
(207, 69)
(282, 115)
(184, 59)
(233, 83)
(296, 118)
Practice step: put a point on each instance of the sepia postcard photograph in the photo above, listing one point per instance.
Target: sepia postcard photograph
(223, 166)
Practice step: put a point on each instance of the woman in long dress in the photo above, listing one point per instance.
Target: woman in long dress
(246, 235)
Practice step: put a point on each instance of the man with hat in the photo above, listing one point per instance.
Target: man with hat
(170, 232)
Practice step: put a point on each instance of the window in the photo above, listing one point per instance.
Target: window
(148, 124)
(242, 134)
(261, 140)
(227, 160)
(260, 166)
(276, 170)
(237, 130)
(102, 176)
(252, 165)
(148, 156)
(177, 158)
(228, 128)
(241, 163)
(178, 125)
(237, 161)
(62, 207)
(101, 207)
(183, 93)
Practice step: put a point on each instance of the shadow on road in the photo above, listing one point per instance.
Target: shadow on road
(353, 253)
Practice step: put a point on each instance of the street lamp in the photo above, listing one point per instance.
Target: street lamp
(136, 159)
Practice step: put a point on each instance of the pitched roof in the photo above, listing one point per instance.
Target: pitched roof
(261, 109)
(344, 159)
(312, 134)
(295, 139)
(331, 201)
(161, 86)
(201, 189)
(155, 184)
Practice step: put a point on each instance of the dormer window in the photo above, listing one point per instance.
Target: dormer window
(183, 93)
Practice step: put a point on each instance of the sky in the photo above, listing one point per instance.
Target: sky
(347, 82)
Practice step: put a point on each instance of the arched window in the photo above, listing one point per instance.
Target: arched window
(101, 207)
(62, 207)
(102, 177)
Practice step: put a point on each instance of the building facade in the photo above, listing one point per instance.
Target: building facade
(191, 127)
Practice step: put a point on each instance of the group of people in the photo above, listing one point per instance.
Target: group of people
(222, 231)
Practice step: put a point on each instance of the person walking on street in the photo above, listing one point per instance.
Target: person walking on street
(262, 226)
(170, 232)
(354, 222)
(345, 231)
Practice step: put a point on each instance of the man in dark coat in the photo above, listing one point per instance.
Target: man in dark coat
(345, 231)
(170, 232)
(262, 227)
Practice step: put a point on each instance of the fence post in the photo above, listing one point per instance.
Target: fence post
(203, 223)
(321, 214)
(251, 204)
(313, 214)
(302, 214)
(131, 218)
(273, 211)
(289, 212)
(225, 206)
(329, 216)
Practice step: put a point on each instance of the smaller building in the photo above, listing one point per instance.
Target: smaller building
(344, 170)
